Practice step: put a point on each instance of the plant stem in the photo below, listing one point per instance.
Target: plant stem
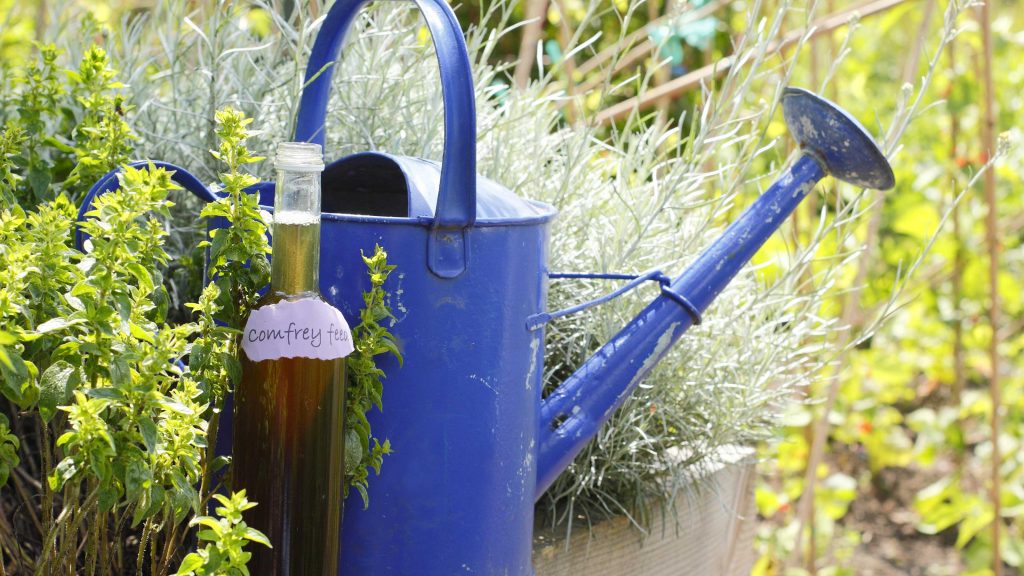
(169, 545)
(104, 542)
(93, 539)
(211, 446)
(69, 529)
(565, 36)
(639, 46)
(152, 548)
(143, 540)
(911, 64)
(959, 376)
(27, 500)
(50, 542)
(992, 243)
(47, 505)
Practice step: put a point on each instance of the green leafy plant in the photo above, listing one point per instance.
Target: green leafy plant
(365, 386)
(226, 537)
(238, 266)
(120, 405)
(67, 127)
(102, 139)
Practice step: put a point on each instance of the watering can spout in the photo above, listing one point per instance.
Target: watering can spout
(832, 142)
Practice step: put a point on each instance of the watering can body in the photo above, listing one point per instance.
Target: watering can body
(457, 494)
(474, 444)
(461, 412)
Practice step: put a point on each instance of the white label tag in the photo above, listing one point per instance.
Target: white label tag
(308, 328)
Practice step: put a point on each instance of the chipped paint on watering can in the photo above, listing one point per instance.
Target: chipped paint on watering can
(474, 442)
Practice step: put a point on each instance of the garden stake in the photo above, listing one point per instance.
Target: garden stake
(988, 146)
(475, 444)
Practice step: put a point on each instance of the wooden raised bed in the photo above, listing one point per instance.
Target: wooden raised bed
(711, 534)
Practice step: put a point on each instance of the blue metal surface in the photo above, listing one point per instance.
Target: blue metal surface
(838, 139)
(422, 182)
(447, 249)
(575, 411)
(457, 495)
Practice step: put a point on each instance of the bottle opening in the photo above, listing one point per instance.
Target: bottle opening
(299, 156)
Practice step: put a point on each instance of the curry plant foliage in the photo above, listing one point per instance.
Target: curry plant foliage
(111, 409)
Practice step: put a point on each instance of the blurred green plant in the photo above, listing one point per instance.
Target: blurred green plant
(912, 397)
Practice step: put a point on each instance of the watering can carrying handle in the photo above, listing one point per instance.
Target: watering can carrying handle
(456, 201)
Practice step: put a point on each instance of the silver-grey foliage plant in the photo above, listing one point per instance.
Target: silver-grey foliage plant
(643, 197)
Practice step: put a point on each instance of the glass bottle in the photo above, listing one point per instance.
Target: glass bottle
(288, 439)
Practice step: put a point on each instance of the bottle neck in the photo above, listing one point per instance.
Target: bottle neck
(295, 261)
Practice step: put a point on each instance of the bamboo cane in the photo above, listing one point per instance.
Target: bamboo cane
(992, 243)
(639, 51)
(532, 31)
(693, 79)
(959, 370)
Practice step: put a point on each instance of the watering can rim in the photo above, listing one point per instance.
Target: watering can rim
(423, 184)
(423, 221)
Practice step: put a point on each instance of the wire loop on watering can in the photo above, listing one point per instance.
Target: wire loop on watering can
(537, 321)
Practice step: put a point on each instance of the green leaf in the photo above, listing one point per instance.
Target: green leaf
(136, 479)
(65, 470)
(39, 180)
(13, 378)
(973, 523)
(5, 360)
(257, 536)
(190, 564)
(353, 451)
(233, 366)
(141, 334)
(55, 324)
(149, 433)
(142, 276)
(55, 388)
(120, 373)
(106, 393)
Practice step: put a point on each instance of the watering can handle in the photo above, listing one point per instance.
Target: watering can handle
(456, 201)
(109, 183)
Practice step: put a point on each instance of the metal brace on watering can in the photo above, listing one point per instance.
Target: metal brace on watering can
(475, 443)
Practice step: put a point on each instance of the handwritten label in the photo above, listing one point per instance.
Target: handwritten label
(307, 328)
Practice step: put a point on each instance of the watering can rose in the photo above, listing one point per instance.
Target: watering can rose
(307, 328)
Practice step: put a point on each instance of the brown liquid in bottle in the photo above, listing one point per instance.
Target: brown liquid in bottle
(288, 456)
(288, 437)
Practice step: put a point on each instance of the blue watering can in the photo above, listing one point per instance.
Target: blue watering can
(475, 443)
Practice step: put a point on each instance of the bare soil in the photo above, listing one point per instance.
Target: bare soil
(886, 520)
